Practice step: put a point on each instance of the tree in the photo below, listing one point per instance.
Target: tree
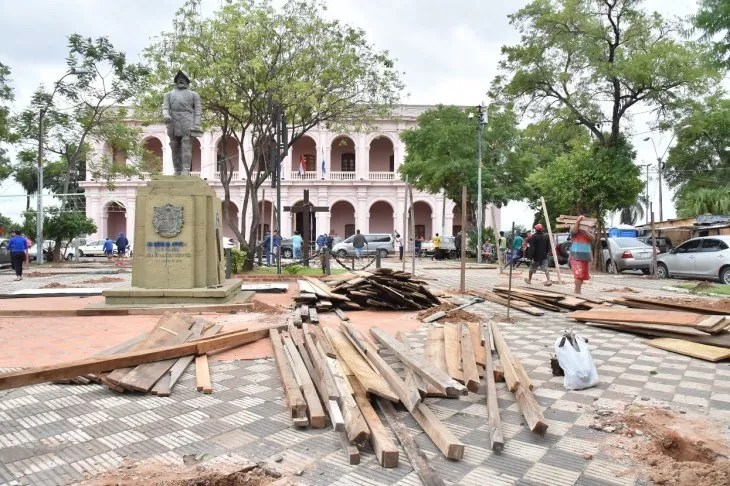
(704, 201)
(700, 159)
(633, 213)
(6, 96)
(594, 62)
(59, 226)
(714, 18)
(442, 155)
(26, 174)
(250, 60)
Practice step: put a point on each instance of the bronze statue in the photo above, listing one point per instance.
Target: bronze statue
(182, 113)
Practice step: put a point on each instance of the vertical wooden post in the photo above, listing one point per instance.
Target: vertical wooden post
(653, 244)
(413, 231)
(462, 285)
(496, 239)
(509, 294)
(552, 242)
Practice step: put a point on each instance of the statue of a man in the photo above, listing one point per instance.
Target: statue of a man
(182, 113)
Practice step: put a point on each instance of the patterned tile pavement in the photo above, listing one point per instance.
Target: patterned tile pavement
(55, 434)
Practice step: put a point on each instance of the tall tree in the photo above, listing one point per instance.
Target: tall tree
(704, 201)
(700, 159)
(249, 58)
(6, 96)
(442, 155)
(595, 61)
(85, 104)
(713, 19)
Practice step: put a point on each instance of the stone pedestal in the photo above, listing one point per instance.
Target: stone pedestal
(178, 257)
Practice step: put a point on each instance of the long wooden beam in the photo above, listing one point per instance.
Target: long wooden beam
(314, 406)
(128, 311)
(42, 374)
(385, 449)
(496, 437)
(468, 360)
(297, 404)
(505, 358)
(427, 370)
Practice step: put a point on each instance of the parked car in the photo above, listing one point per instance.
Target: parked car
(663, 243)
(620, 254)
(378, 242)
(4, 255)
(90, 249)
(47, 251)
(706, 257)
(287, 248)
(447, 249)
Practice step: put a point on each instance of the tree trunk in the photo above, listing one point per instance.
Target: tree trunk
(27, 202)
(252, 241)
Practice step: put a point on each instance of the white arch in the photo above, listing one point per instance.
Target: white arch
(341, 135)
(343, 199)
(422, 200)
(375, 135)
(373, 203)
(151, 136)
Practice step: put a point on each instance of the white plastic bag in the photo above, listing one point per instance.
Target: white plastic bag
(577, 363)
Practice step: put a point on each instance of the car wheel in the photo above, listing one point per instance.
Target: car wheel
(81, 253)
(383, 253)
(662, 271)
(341, 253)
(287, 253)
(645, 271)
(725, 275)
(611, 267)
(453, 255)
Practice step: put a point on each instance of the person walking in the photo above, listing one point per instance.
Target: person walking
(417, 245)
(358, 243)
(457, 244)
(321, 242)
(108, 248)
(296, 243)
(502, 248)
(18, 249)
(581, 254)
(436, 246)
(398, 244)
(266, 247)
(122, 243)
(539, 249)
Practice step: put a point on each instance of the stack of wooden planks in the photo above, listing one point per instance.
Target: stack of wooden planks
(664, 304)
(533, 300)
(385, 288)
(693, 327)
(567, 222)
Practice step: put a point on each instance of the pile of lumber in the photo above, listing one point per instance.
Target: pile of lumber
(668, 305)
(533, 301)
(690, 327)
(588, 225)
(150, 363)
(384, 288)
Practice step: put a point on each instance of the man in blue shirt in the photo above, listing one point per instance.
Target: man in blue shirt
(18, 249)
(296, 243)
(109, 248)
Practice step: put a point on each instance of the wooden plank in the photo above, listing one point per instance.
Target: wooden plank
(536, 301)
(341, 314)
(441, 436)
(424, 388)
(713, 324)
(690, 331)
(143, 377)
(313, 317)
(469, 364)
(425, 369)
(202, 374)
(385, 450)
(330, 390)
(42, 374)
(416, 457)
(355, 425)
(295, 400)
(351, 452)
(696, 307)
(314, 406)
(322, 340)
(370, 381)
(695, 350)
(408, 395)
(722, 339)
(475, 329)
(647, 316)
(434, 352)
(557, 291)
(452, 347)
(318, 373)
(497, 299)
(505, 358)
(496, 437)
(531, 410)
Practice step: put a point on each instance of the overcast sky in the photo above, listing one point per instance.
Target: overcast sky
(448, 50)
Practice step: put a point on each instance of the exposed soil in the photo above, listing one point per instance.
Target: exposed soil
(460, 315)
(719, 304)
(132, 474)
(56, 285)
(621, 290)
(102, 280)
(263, 308)
(670, 449)
(503, 318)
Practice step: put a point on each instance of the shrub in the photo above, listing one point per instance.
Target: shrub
(238, 256)
(294, 269)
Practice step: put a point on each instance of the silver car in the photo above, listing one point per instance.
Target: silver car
(380, 242)
(621, 254)
(707, 257)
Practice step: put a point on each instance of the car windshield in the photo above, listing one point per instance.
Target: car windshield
(628, 242)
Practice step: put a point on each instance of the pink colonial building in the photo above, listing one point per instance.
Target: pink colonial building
(360, 183)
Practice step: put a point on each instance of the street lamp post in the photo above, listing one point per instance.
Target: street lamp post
(481, 121)
(39, 211)
(660, 168)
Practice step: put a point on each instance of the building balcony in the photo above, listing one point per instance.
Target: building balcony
(342, 176)
(234, 177)
(306, 176)
(381, 176)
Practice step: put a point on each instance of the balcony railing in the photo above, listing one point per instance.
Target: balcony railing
(234, 177)
(195, 173)
(381, 176)
(307, 176)
(342, 176)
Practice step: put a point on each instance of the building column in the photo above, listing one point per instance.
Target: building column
(207, 158)
(398, 212)
(131, 219)
(167, 167)
(450, 217)
(362, 213)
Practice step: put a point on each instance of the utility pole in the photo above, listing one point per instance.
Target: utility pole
(39, 211)
(659, 176)
(277, 155)
(653, 246)
(648, 205)
(481, 120)
(462, 285)
(404, 240)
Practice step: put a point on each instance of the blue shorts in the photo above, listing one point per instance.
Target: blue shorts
(358, 252)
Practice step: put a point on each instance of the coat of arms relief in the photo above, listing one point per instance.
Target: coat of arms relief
(168, 220)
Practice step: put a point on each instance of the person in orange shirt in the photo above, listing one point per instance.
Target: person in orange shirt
(581, 254)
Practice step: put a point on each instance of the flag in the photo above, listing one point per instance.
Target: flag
(324, 170)
(301, 165)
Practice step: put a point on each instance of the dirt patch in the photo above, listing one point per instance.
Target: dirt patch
(131, 474)
(56, 285)
(621, 290)
(669, 449)
(460, 315)
(503, 318)
(102, 280)
(263, 308)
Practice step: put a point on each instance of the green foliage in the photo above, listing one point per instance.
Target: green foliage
(704, 201)
(294, 269)
(7, 225)
(59, 226)
(471, 238)
(238, 257)
(249, 57)
(593, 62)
(714, 19)
(442, 155)
(592, 179)
(6, 96)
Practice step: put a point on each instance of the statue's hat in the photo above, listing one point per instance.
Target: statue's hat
(181, 75)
